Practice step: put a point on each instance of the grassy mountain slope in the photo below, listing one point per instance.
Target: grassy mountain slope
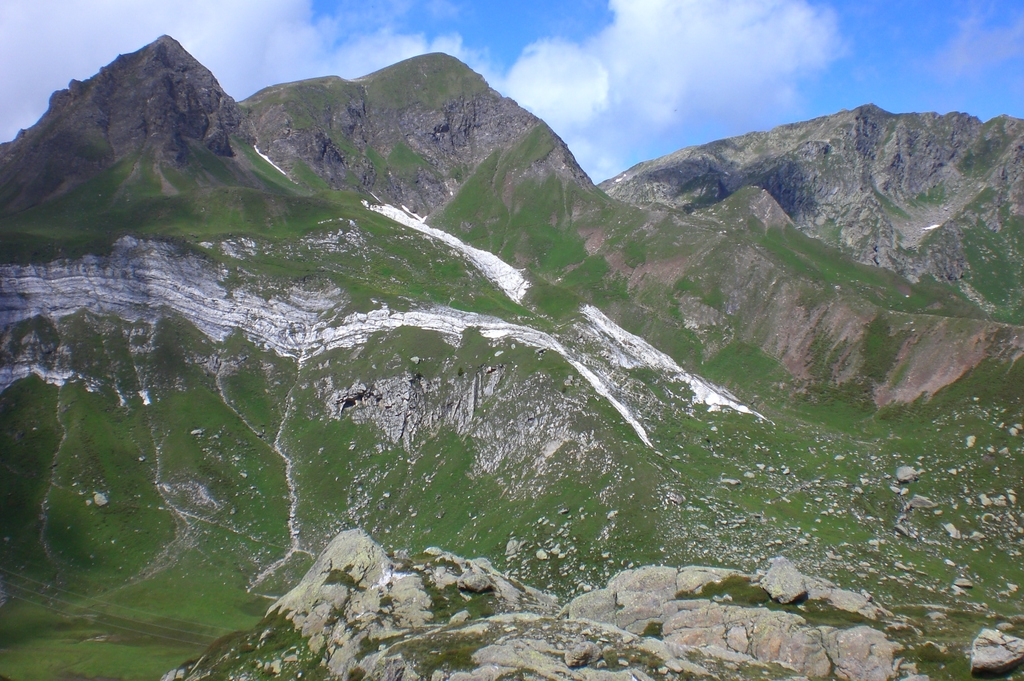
(225, 464)
(919, 194)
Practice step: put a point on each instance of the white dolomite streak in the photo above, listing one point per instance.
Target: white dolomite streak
(267, 159)
(145, 280)
(507, 278)
(10, 374)
(357, 328)
(632, 351)
(930, 228)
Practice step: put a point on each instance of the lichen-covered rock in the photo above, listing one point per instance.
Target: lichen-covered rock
(692, 579)
(757, 633)
(599, 605)
(352, 559)
(582, 654)
(861, 654)
(783, 581)
(475, 581)
(786, 584)
(366, 614)
(994, 652)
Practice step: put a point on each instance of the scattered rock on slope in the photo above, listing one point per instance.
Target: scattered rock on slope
(364, 614)
(905, 474)
(994, 652)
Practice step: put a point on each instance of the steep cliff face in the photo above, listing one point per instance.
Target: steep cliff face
(895, 191)
(411, 133)
(158, 102)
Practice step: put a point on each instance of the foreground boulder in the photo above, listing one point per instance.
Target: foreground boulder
(362, 614)
(785, 584)
(994, 652)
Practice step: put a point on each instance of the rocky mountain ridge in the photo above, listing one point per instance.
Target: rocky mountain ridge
(152, 106)
(361, 613)
(895, 191)
(413, 144)
(382, 134)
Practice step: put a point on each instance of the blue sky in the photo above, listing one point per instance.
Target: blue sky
(620, 80)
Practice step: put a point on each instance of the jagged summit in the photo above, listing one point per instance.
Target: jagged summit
(873, 183)
(157, 101)
(412, 132)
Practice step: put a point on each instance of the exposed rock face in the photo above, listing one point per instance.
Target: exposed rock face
(430, 120)
(885, 181)
(785, 584)
(401, 406)
(366, 614)
(994, 652)
(158, 99)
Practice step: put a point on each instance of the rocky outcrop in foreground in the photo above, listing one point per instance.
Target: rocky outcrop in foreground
(360, 613)
(994, 652)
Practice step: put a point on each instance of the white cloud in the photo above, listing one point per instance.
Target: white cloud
(662, 65)
(659, 67)
(248, 44)
(561, 82)
(977, 47)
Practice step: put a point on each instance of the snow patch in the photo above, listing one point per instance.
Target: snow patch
(267, 159)
(389, 576)
(146, 280)
(631, 351)
(930, 228)
(507, 278)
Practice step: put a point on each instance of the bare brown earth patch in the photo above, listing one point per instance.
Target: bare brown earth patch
(593, 239)
(661, 271)
(941, 354)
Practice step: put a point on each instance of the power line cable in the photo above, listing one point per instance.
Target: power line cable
(100, 613)
(113, 605)
(105, 624)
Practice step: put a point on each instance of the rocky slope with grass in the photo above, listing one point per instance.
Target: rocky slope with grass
(360, 613)
(156, 106)
(211, 363)
(918, 194)
(411, 133)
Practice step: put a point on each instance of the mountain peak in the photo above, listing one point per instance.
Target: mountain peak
(157, 100)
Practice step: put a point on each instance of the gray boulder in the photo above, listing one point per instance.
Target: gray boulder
(905, 474)
(582, 654)
(476, 582)
(917, 501)
(994, 652)
(783, 582)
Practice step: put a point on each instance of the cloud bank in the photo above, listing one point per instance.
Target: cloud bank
(663, 65)
(978, 47)
(659, 68)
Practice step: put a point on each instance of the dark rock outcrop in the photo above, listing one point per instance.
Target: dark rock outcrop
(871, 182)
(158, 101)
(410, 133)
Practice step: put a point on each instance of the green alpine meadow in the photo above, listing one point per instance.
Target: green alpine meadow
(367, 379)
